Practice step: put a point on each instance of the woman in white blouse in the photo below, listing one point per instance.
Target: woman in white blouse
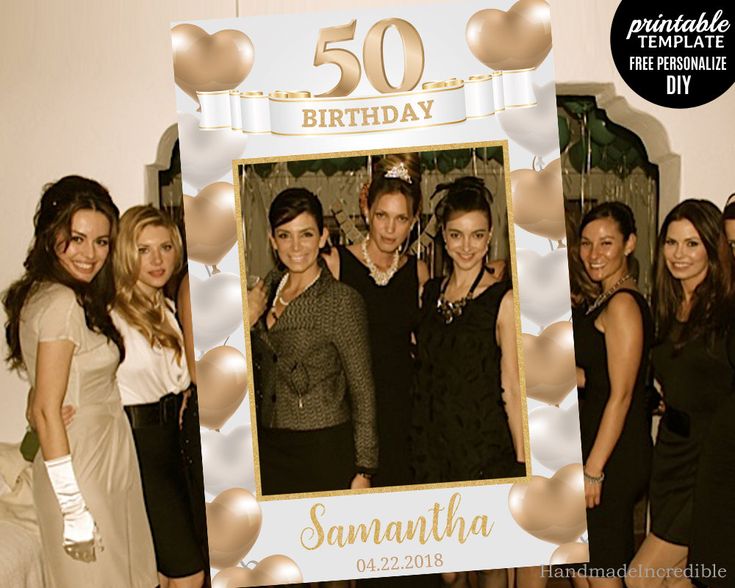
(154, 381)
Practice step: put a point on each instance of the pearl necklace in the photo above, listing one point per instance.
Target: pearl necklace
(607, 293)
(278, 298)
(380, 277)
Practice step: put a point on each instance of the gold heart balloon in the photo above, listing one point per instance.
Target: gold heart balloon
(551, 371)
(211, 227)
(209, 63)
(538, 199)
(551, 509)
(570, 553)
(222, 385)
(517, 39)
(233, 524)
(272, 570)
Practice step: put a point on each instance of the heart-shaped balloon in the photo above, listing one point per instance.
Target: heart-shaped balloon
(570, 553)
(551, 509)
(211, 226)
(272, 570)
(554, 434)
(517, 39)
(207, 62)
(538, 201)
(227, 460)
(216, 308)
(550, 367)
(233, 525)
(534, 128)
(544, 285)
(206, 156)
(222, 384)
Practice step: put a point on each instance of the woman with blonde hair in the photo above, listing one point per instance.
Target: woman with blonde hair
(154, 384)
(87, 487)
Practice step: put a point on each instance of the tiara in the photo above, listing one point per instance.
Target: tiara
(399, 171)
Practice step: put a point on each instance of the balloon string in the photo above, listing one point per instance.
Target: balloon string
(209, 272)
(247, 565)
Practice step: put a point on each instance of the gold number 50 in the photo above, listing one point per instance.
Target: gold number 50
(372, 56)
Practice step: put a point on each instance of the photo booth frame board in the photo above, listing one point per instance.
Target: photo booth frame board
(372, 74)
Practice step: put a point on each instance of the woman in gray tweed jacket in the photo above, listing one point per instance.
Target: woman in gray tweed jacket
(312, 370)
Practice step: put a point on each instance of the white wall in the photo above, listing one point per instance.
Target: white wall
(87, 88)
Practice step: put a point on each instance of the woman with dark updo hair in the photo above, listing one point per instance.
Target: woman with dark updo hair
(467, 410)
(314, 385)
(86, 483)
(389, 279)
(612, 336)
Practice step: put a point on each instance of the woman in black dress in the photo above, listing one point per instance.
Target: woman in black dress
(466, 418)
(389, 282)
(314, 387)
(694, 313)
(612, 338)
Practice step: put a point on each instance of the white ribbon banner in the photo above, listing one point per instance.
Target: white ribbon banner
(297, 113)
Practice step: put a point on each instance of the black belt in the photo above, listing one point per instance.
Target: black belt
(165, 411)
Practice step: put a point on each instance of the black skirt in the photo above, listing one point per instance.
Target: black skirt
(306, 461)
(165, 488)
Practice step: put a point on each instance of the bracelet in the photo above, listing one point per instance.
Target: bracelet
(593, 479)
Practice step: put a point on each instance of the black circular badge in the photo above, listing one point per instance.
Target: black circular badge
(672, 53)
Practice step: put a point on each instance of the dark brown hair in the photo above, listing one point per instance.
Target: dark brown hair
(380, 184)
(465, 194)
(53, 218)
(580, 286)
(712, 301)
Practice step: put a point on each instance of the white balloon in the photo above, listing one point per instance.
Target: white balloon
(554, 434)
(228, 460)
(529, 127)
(206, 156)
(543, 281)
(216, 305)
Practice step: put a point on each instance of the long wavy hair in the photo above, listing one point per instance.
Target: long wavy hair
(52, 222)
(713, 301)
(146, 315)
(581, 288)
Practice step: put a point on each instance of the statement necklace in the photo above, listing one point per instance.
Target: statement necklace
(452, 310)
(607, 293)
(380, 277)
(278, 298)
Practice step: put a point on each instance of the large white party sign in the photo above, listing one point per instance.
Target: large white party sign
(319, 103)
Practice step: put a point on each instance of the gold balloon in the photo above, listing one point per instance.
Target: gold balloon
(570, 553)
(517, 39)
(551, 509)
(222, 385)
(277, 569)
(209, 63)
(211, 227)
(538, 200)
(234, 578)
(549, 360)
(233, 525)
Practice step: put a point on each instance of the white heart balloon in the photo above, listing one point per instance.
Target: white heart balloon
(544, 285)
(530, 127)
(206, 156)
(216, 305)
(554, 434)
(228, 460)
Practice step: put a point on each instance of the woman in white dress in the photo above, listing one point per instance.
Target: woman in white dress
(87, 490)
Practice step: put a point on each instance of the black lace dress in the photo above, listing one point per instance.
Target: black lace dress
(460, 429)
(392, 313)
(610, 524)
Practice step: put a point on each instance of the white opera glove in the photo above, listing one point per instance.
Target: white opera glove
(80, 531)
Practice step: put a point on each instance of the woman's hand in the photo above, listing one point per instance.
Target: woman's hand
(360, 482)
(184, 403)
(592, 490)
(257, 301)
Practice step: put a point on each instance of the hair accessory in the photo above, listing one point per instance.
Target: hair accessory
(399, 171)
